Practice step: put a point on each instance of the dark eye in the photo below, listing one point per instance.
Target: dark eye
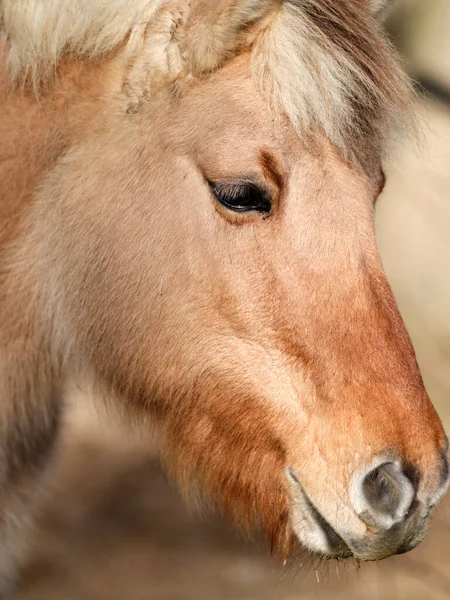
(242, 196)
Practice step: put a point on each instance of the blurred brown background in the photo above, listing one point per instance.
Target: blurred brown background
(111, 526)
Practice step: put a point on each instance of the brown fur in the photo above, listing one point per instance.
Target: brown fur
(255, 344)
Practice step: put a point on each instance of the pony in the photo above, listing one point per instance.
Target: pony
(187, 226)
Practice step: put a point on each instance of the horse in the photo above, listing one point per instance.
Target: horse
(187, 226)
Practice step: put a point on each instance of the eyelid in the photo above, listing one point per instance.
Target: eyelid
(231, 187)
(239, 184)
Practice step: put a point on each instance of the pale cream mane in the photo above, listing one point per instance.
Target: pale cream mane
(323, 63)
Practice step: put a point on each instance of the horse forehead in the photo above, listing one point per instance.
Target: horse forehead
(238, 128)
(228, 104)
(251, 120)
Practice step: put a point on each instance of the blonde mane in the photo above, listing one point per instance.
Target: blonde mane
(323, 63)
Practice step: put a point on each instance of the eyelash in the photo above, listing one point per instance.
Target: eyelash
(242, 197)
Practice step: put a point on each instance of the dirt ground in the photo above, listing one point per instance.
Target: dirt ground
(113, 528)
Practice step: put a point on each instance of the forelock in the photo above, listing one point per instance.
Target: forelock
(328, 67)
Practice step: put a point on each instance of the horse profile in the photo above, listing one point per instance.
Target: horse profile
(187, 191)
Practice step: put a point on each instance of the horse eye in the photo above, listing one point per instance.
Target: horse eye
(242, 197)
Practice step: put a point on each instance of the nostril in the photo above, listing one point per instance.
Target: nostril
(388, 494)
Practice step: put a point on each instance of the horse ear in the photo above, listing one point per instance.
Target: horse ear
(216, 28)
(380, 8)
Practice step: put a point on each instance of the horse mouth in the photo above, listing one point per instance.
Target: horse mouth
(337, 548)
(332, 545)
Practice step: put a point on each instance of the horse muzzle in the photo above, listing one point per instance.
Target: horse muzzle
(389, 511)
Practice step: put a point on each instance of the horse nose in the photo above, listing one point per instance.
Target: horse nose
(385, 495)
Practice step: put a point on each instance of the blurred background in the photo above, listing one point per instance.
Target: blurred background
(111, 527)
